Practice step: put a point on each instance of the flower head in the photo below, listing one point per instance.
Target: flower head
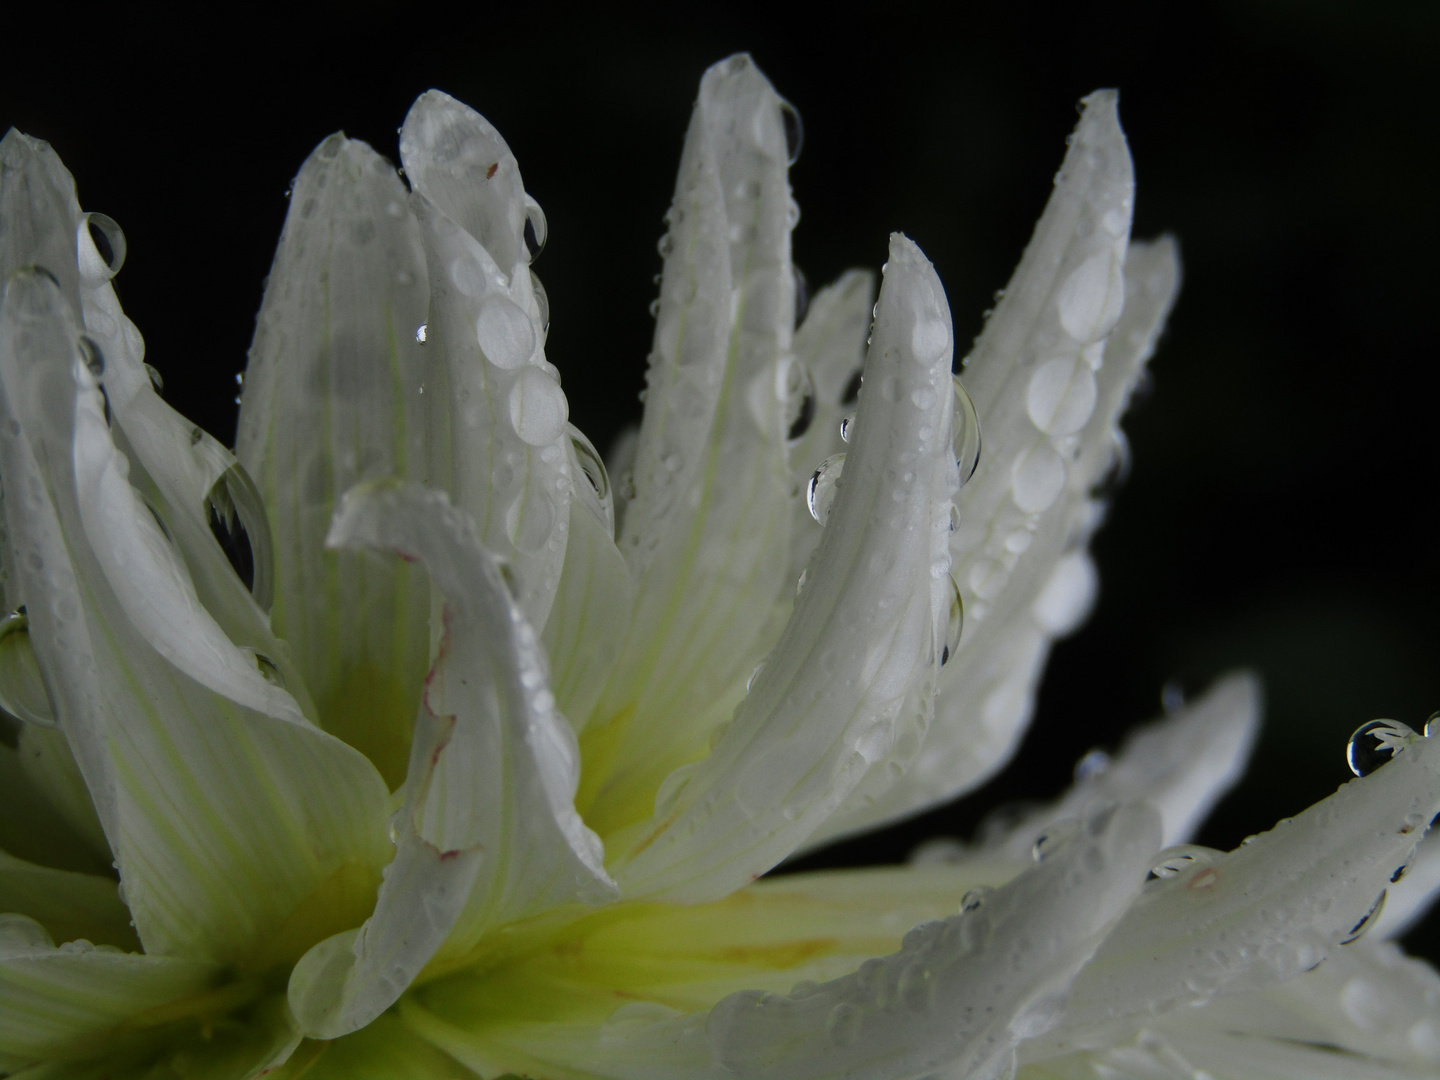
(421, 749)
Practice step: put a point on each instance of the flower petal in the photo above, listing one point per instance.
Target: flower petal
(853, 670)
(582, 634)
(707, 530)
(52, 999)
(384, 1050)
(38, 212)
(200, 794)
(1264, 913)
(69, 905)
(957, 995)
(332, 396)
(496, 417)
(46, 815)
(1023, 574)
(1180, 765)
(489, 833)
(1412, 893)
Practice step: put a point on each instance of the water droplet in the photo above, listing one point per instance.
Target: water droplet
(155, 379)
(655, 308)
(1091, 297)
(820, 493)
(105, 404)
(754, 674)
(1037, 478)
(109, 243)
(799, 400)
(929, 339)
(236, 514)
(393, 823)
(267, 668)
(91, 354)
(593, 466)
(1432, 725)
(1061, 395)
(1053, 839)
(843, 1024)
(1370, 918)
(536, 230)
(542, 302)
(422, 332)
(665, 245)
(794, 131)
(538, 409)
(802, 294)
(967, 433)
(847, 427)
(851, 394)
(1094, 764)
(1375, 743)
(504, 332)
(952, 628)
(22, 689)
(975, 899)
(1176, 860)
(800, 582)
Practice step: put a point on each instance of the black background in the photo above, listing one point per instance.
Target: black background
(1281, 511)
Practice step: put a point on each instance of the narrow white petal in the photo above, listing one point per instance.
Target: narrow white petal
(69, 905)
(51, 998)
(38, 212)
(831, 344)
(332, 396)
(1413, 892)
(1022, 572)
(1264, 913)
(706, 532)
(957, 997)
(582, 634)
(199, 795)
(1180, 765)
(488, 833)
(853, 670)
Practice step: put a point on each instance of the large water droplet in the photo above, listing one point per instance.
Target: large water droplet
(1091, 297)
(504, 332)
(22, 690)
(236, 514)
(109, 244)
(1053, 839)
(820, 493)
(268, 669)
(953, 627)
(1375, 743)
(538, 409)
(1061, 395)
(593, 466)
(967, 433)
(537, 229)
(542, 301)
(794, 131)
(802, 294)
(1370, 918)
(799, 400)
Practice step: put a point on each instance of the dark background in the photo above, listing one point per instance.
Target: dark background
(1281, 512)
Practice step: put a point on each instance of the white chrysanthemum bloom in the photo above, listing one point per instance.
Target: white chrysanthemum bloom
(426, 753)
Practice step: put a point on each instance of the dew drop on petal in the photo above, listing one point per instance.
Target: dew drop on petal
(975, 899)
(802, 294)
(954, 625)
(1174, 861)
(504, 332)
(1061, 395)
(22, 690)
(1432, 725)
(794, 131)
(536, 229)
(1370, 918)
(929, 338)
(847, 428)
(800, 582)
(538, 409)
(268, 669)
(107, 240)
(967, 433)
(92, 355)
(156, 380)
(593, 467)
(1091, 298)
(1375, 743)
(1094, 764)
(542, 301)
(1052, 839)
(755, 674)
(236, 514)
(821, 491)
(422, 332)
(1037, 479)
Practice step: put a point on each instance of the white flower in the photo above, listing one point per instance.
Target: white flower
(499, 805)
